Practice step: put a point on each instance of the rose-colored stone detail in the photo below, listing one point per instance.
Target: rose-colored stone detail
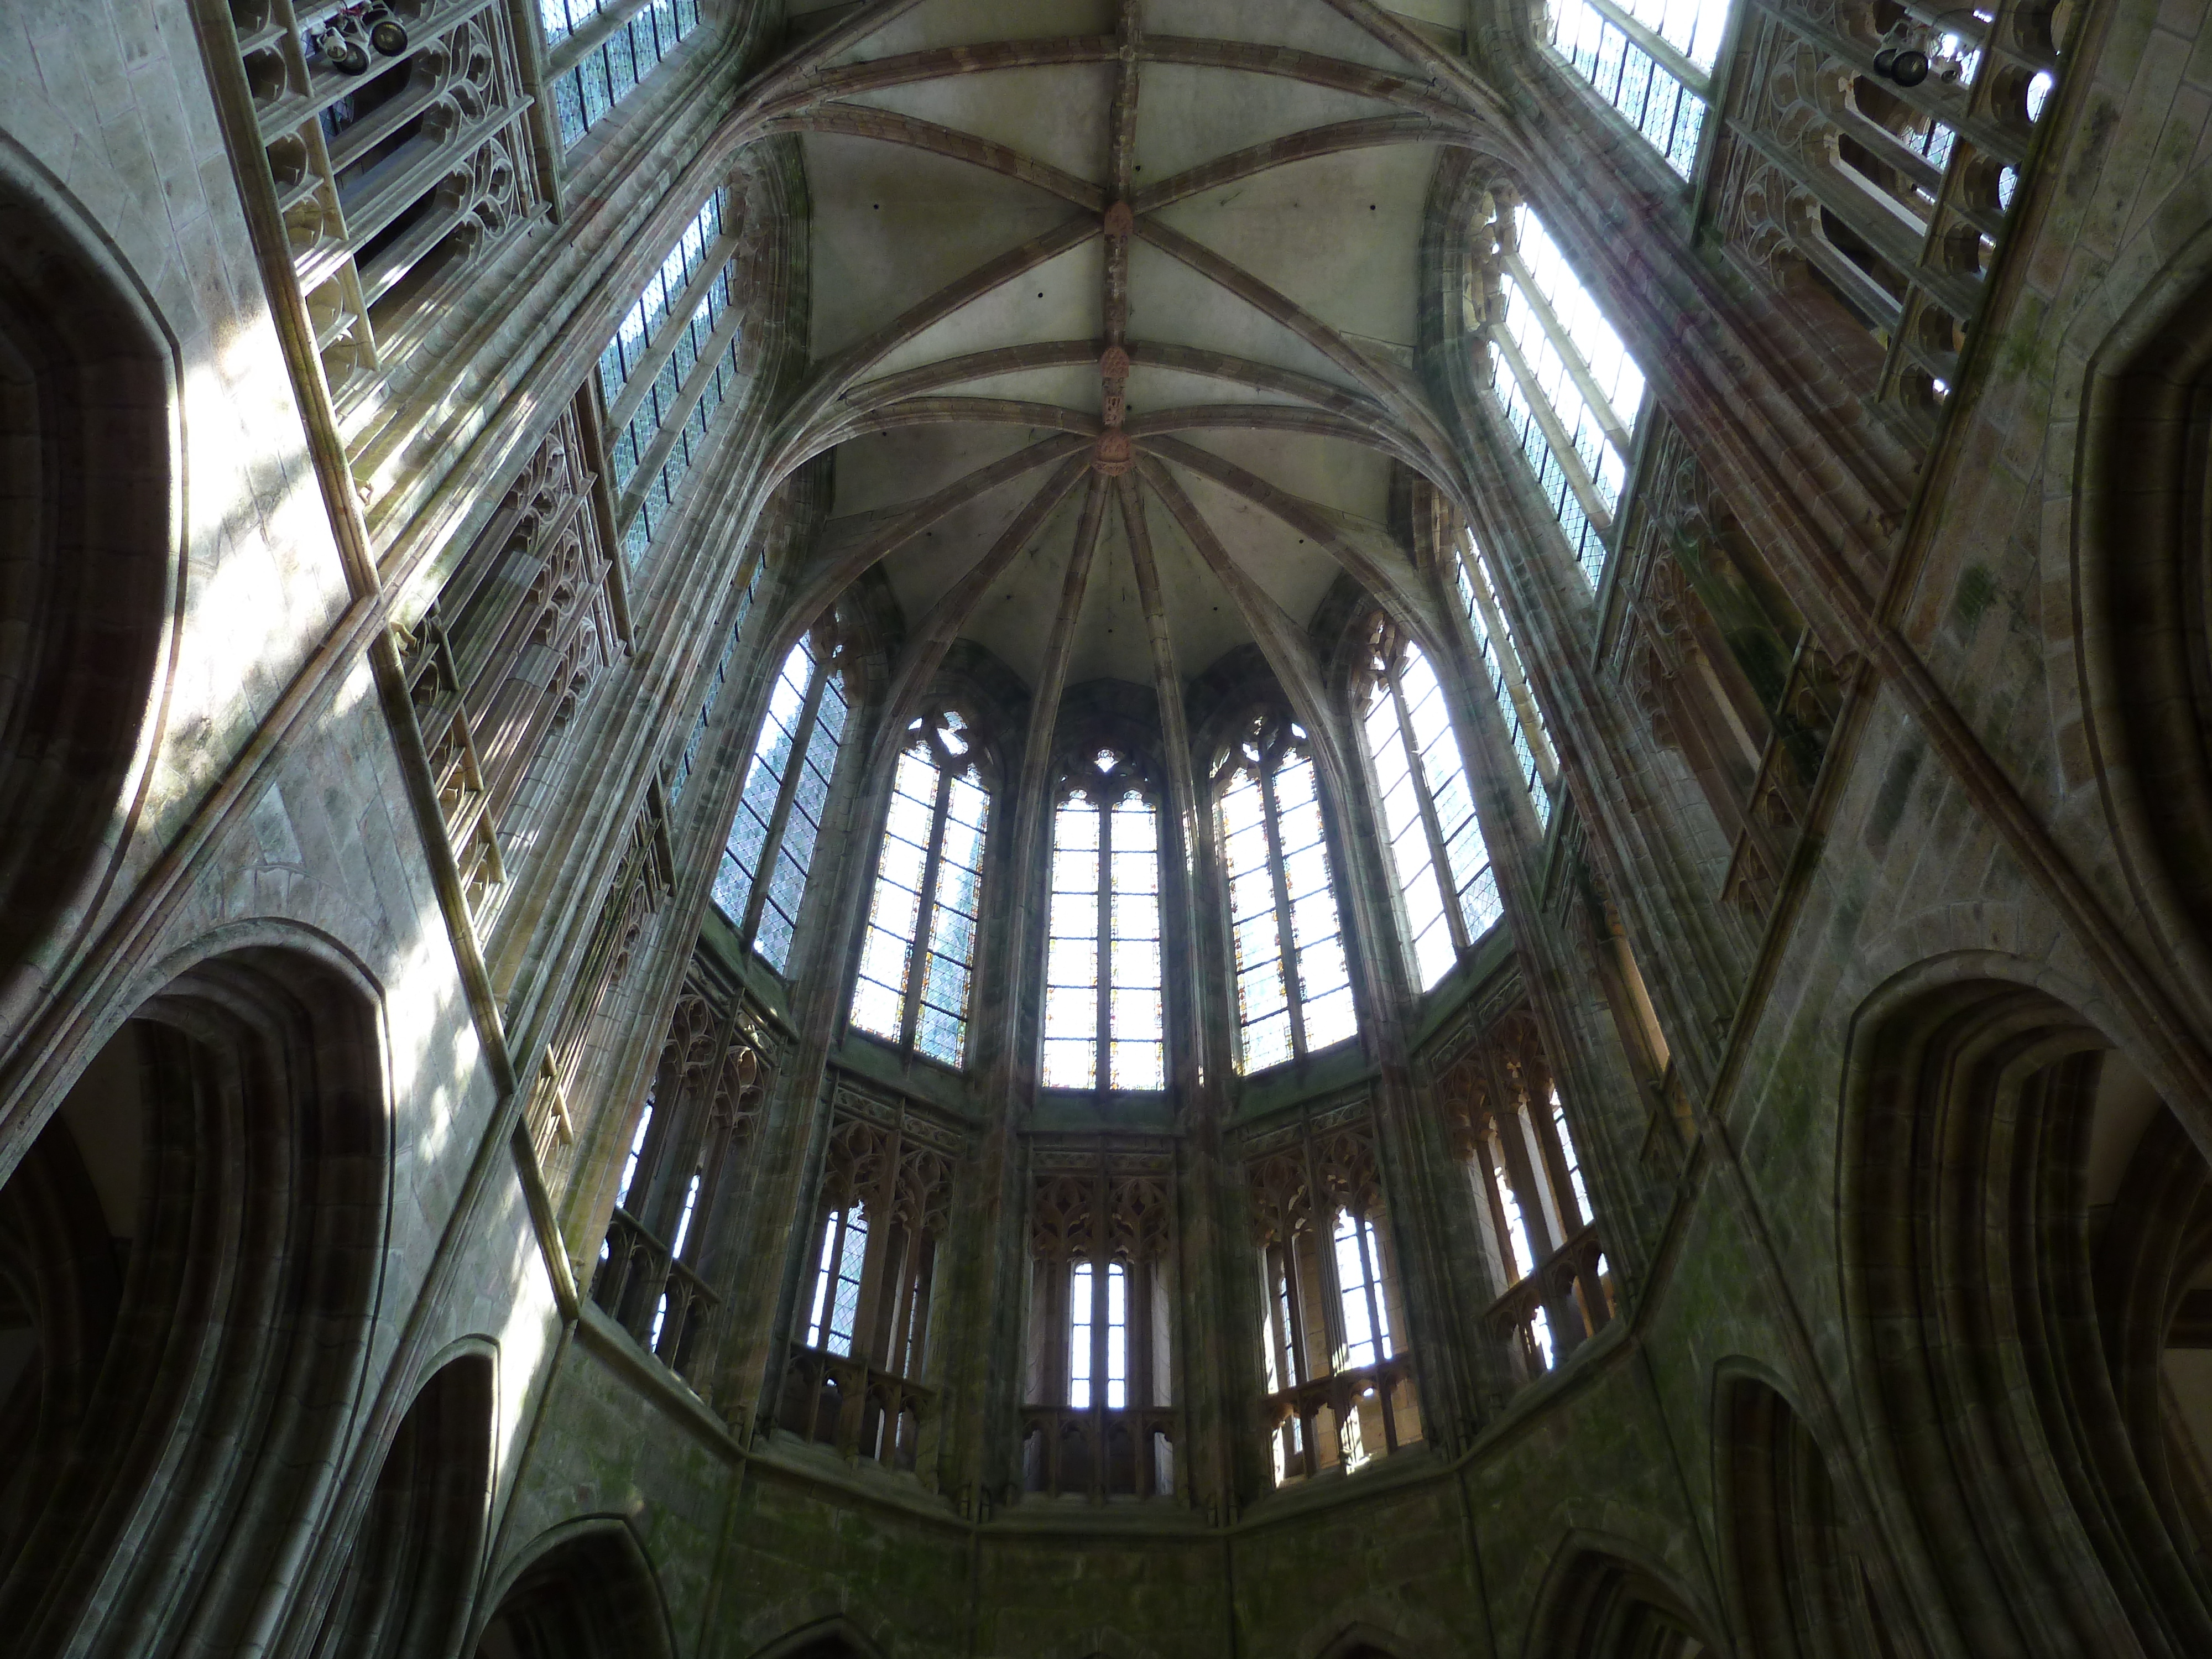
(1120, 221)
(1114, 456)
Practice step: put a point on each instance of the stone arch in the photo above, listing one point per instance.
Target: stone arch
(1599, 1603)
(2143, 576)
(1795, 1552)
(834, 1637)
(228, 1153)
(2006, 1350)
(416, 1557)
(585, 1590)
(90, 569)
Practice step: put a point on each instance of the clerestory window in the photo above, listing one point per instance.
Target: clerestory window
(1104, 1019)
(689, 759)
(920, 949)
(1525, 731)
(787, 791)
(600, 51)
(1569, 390)
(669, 370)
(1293, 979)
(1652, 60)
(1444, 878)
(829, 1325)
(1098, 1335)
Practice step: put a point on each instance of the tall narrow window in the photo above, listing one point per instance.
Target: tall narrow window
(681, 775)
(1104, 1021)
(1501, 660)
(668, 371)
(598, 51)
(1444, 878)
(920, 943)
(1569, 390)
(1359, 1284)
(1098, 1336)
(837, 1280)
(1566, 1139)
(1293, 982)
(787, 789)
(1651, 60)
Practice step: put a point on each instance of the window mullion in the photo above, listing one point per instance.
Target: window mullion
(1439, 854)
(1563, 447)
(802, 733)
(638, 377)
(1293, 991)
(917, 961)
(1509, 666)
(1105, 1051)
(1578, 370)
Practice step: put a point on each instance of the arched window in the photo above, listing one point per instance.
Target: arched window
(1652, 60)
(680, 775)
(1568, 387)
(1293, 982)
(671, 365)
(787, 789)
(598, 51)
(1102, 973)
(1444, 878)
(1509, 681)
(921, 946)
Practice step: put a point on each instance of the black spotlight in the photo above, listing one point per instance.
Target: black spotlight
(1910, 68)
(1884, 61)
(345, 54)
(388, 35)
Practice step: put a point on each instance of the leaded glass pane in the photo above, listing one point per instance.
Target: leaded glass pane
(1069, 1063)
(1267, 1042)
(1330, 1019)
(1138, 1065)
(876, 1008)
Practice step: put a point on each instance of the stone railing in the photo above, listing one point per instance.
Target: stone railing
(661, 1302)
(1345, 1420)
(1568, 1289)
(846, 1403)
(1099, 1453)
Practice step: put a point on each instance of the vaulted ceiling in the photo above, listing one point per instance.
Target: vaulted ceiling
(1113, 311)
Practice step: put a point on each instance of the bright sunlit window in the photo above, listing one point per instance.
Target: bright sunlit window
(837, 1280)
(1444, 878)
(1098, 1336)
(919, 948)
(1651, 60)
(1367, 1340)
(1293, 979)
(596, 66)
(786, 790)
(1508, 684)
(1102, 960)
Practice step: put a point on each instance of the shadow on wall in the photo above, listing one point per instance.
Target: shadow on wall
(1598, 1604)
(2028, 1274)
(88, 555)
(190, 1255)
(587, 1591)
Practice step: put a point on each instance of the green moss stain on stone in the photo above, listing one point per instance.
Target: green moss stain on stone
(1889, 804)
(1977, 591)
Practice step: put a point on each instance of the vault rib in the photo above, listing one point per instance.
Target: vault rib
(1338, 138)
(956, 411)
(1475, 95)
(911, 132)
(1368, 432)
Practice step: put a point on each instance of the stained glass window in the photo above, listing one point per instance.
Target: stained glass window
(1501, 660)
(1569, 390)
(919, 947)
(837, 1280)
(1293, 979)
(1444, 878)
(591, 78)
(786, 790)
(1651, 60)
(689, 759)
(666, 376)
(1103, 985)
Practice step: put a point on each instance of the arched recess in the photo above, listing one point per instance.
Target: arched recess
(415, 1560)
(90, 572)
(588, 1592)
(834, 1637)
(2142, 559)
(1795, 1552)
(192, 1252)
(2025, 1224)
(1599, 1604)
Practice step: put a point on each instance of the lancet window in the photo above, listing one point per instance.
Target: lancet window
(680, 775)
(1100, 1418)
(1511, 1127)
(1104, 1015)
(1444, 879)
(1652, 60)
(1525, 729)
(682, 1167)
(671, 367)
(1341, 1387)
(919, 948)
(600, 51)
(787, 791)
(1293, 979)
(862, 1342)
(1569, 390)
